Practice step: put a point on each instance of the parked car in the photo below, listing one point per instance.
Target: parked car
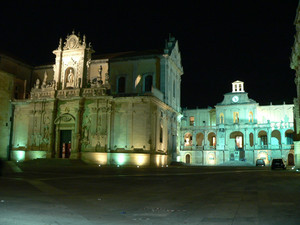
(278, 163)
(260, 162)
(174, 163)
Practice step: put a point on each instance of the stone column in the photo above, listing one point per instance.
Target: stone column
(246, 139)
(77, 130)
(194, 140)
(269, 132)
(108, 126)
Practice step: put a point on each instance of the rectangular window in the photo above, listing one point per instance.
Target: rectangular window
(264, 140)
(192, 121)
(289, 139)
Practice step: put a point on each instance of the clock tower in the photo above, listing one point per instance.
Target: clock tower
(236, 105)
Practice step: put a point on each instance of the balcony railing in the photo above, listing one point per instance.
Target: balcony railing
(275, 147)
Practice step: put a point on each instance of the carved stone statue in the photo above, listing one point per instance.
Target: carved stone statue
(37, 84)
(70, 77)
(44, 84)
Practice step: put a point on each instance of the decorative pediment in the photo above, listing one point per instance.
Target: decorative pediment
(74, 41)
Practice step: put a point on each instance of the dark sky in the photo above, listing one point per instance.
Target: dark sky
(220, 41)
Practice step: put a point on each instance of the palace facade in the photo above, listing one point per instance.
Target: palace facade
(237, 129)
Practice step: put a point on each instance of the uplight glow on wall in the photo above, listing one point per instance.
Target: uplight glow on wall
(121, 159)
(19, 155)
(141, 160)
(211, 158)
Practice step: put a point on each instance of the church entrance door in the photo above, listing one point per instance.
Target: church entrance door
(65, 143)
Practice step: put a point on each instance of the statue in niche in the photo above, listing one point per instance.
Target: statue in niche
(71, 77)
(45, 137)
(46, 134)
(86, 131)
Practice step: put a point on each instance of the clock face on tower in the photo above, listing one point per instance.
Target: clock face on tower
(235, 98)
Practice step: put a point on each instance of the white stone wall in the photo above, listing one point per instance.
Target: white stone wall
(275, 113)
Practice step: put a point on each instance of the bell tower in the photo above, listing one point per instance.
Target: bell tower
(72, 62)
(238, 86)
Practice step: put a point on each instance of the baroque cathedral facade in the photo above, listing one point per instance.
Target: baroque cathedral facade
(119, 109)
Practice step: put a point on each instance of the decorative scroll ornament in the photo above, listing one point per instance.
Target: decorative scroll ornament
(65, 118)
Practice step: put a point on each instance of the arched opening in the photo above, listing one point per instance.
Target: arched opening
(236, 118)
(188, 139)
(121, 84)
(291, 161)
(199, 139)
(239, 139)
(275, 137)
(263, 138)
(212, 139)
(263, 155)
(251, 139)
(188, 159)
(289, 137)
(148, 83)
(250, 117)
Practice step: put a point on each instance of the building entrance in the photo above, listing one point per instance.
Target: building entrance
(65, 143)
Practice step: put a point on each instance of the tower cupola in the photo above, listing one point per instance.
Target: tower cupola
(238, 86)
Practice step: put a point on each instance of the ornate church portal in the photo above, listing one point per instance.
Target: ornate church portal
(65, 143)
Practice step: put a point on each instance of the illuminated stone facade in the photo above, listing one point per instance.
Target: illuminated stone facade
(14, 78)
(295, 65)
(113, 109)
(237, 129)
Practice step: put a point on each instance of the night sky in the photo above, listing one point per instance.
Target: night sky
(220, 41)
